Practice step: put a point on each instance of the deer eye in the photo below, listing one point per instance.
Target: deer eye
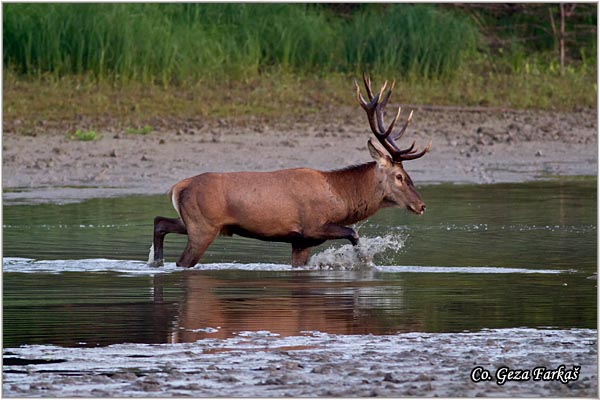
(400, 178)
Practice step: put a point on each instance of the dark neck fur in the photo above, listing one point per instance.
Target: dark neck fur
(359, 187)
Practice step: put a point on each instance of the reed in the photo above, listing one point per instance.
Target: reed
(178, 43)
(421, 40)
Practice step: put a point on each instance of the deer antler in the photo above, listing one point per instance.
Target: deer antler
(374, 109)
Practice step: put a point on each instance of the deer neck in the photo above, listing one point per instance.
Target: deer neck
(360, 188)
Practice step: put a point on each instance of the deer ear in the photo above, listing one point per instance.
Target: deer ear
(378, 154)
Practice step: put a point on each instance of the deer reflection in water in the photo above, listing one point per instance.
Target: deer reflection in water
(216, 307)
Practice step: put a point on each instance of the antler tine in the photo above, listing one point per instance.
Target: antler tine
(361, 100)
(373, 99)
(375, 114)
(391, 127)
(382, 90)
(370, 107)
(374, 108)
(409, 150)
(387, 95)
(379, 106)
(367, 81)
(374, 104)
(407, 157)
(399, 134)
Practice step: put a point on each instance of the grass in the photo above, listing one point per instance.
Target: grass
(84, 136)
(135, 66)
(182, 43)
(41, 105)
(420, 40)
(146, 129)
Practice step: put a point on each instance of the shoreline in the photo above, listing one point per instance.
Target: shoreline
(470, 146)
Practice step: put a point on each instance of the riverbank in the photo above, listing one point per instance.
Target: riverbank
(316, 364)
(470, 145)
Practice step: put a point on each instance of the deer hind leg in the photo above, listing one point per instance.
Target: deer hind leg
(162, 226)
(199, 238)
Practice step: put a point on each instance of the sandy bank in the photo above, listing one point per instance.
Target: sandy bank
(469, 146)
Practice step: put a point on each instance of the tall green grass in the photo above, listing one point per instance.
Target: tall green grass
(175, 43)
(421, 40)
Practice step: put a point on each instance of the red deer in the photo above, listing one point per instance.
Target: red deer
(300, 206)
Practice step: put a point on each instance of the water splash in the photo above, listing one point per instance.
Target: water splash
(348, 257)
(341, 259)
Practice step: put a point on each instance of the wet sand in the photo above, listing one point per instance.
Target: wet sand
(469, 146)
(315, 364)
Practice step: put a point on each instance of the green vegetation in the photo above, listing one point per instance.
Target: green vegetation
(84, 136)
(174, 43)
(132, 62)
(146, 129)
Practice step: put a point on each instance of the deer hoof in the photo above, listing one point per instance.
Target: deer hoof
(362, 256)
(156, 263)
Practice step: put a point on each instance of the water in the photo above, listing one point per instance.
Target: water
(482, 257)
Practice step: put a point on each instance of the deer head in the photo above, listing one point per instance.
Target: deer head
(396, 183)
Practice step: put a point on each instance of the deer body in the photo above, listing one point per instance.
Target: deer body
(301, 206)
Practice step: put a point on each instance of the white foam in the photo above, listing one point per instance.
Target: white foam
(131, 267)
(348, 257)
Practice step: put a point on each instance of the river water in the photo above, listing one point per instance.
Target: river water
(498, 258)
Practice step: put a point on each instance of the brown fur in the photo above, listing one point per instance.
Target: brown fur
(301, 206)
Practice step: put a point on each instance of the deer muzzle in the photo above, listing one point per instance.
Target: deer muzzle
(417, 209)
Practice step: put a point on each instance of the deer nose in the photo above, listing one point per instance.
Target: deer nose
(417, 209)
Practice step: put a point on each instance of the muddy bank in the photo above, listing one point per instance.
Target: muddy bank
(469, 146)
(262, 364)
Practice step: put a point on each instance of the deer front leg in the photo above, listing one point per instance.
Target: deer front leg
(343, 232)
(332, 231)
(300, 255)
(315, 237)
